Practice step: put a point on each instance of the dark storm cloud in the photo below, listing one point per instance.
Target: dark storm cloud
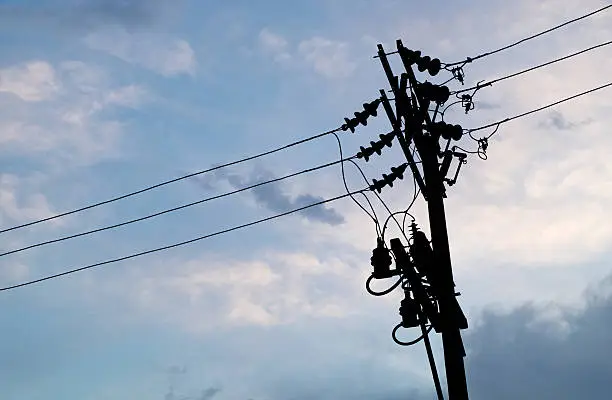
(272, 196)
(514, 356)
(513, 359)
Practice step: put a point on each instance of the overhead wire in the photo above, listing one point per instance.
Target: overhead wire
(179, 244)
(471, 59)
(174, 209)
(490, 83)
(503, 121)
(148, 188)
(376, 194)
(372, 216)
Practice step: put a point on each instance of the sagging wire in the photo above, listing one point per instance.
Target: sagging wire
(481, 152)
(428, 329)
(405, 213)
(483, 143)
(381, 236)
(384, 292)
(372, 216)
(443, 112)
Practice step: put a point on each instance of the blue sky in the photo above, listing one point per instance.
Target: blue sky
(99, 98)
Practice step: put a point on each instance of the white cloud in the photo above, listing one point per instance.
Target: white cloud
(272, 41)
(68, 125)
(538, 205)
(14, 208)
(33, 81)
(130, 96)
(209, 291)
(328, 58)
(158, 52)
(274, 44)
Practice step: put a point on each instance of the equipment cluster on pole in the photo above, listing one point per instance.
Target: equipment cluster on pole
(422, 267)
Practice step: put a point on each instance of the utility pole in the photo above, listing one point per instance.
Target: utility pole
(413, 107)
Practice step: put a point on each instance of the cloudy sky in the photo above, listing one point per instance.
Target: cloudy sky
(102, 97)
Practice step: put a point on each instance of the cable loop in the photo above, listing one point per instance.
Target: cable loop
(412, 342)
(384, 292)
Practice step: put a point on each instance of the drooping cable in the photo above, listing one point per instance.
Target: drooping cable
(471, 59)
(174, 209)
(146, 189)
(372, 216)
(405, 212)
(183, 243)
(383, 292)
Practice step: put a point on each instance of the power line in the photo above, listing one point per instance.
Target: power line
(482, 85)
(158, 249)
(114, 199)
(132, 221)
(498, 123)
(471, 59)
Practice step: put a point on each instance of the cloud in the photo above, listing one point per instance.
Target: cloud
(155, 51)
(16, 207)
(69, 124)
(88, 14)
(212, 291)
(327, 57)
(209, 393)
(272, 196)
(483, 105)
(521, 355)
(32, 81)
(556, 120)
(274, 44)
(128, 12)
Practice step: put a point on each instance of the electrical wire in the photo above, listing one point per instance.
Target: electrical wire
(183, 243)
(490, 83)
(369, 184)
(384, 292)
(498, 123)
(391, 214)
(405, 212)
(471, 59)
(372, 216)
(174, 209)
(412, 342)
(146, 189)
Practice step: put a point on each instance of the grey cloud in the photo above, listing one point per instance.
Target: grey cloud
(272, 196)
(209, 393)
(484, 105)
(513, 358)
(176, 370)
(206, 394)
(556, 120)
(88, 14)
